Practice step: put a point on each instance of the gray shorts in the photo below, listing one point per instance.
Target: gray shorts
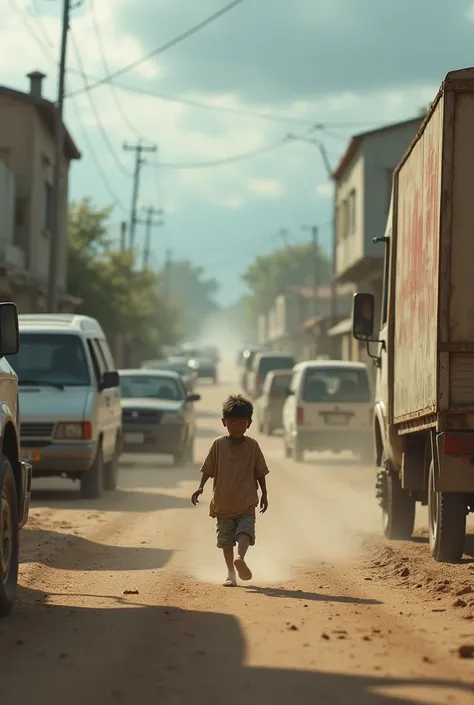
(228, 530)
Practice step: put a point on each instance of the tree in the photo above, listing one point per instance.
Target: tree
(193, 292)
(126, 302)
(289, 266)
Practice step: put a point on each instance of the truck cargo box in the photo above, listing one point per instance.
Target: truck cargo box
(432, 304)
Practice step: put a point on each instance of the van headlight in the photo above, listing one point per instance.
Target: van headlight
(74, 431)
(172, 418)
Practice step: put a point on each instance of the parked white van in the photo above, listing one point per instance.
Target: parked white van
(329, 408)
(69, 394)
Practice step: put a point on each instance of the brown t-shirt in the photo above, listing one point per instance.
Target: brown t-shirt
(234, 468)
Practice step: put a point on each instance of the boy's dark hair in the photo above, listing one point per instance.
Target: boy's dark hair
(238, 407)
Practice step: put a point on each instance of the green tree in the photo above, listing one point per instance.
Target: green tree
(193, 292)
(289, 266)
(126, 302)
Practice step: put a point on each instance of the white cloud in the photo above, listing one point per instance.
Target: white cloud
(265, 188)
(232, 203)
(324, 190)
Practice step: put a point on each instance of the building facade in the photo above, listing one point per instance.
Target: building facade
(26, 188)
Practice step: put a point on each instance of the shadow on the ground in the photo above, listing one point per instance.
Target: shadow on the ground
(310, 596)
(144, 654)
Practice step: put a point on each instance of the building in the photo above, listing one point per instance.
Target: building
(297, 321)
(363, 185)
(26, 181)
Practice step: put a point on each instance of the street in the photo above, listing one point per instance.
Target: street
(120, 600)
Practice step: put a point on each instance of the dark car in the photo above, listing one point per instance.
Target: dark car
(174, 364)
(205, 367)
(158, 415)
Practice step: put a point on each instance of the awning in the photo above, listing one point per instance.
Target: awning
(342, 328)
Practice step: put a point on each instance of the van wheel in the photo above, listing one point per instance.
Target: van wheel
(9, 537)
(92, 481)
(398, 508)
(111, 470)
(447, 513)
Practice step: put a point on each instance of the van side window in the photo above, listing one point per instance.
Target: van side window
(106, 354)
(100, 356)
(95, 362)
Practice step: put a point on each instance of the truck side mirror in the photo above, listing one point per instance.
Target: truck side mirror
(9, 333)
(363, 316)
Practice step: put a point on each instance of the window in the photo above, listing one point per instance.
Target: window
(267, 364)
(50, 359)
(21, 205)
(95, 361)
(336, 385)
(48, 207)
(150, 387)
(280, 384)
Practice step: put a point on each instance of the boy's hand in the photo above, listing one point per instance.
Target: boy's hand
(196, 495)
(263, 503)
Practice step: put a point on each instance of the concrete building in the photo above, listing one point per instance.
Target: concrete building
(26, 179)
(363, 184)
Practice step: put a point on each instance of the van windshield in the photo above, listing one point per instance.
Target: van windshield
(51, 359)
(268, 364)
(337, 385)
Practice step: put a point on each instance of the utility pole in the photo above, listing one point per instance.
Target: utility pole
(139, 149)
(55, 248)
(149, 223)
(123, 236)
(167, 272)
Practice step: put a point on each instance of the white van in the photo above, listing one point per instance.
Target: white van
(329, 408)
(69, 394)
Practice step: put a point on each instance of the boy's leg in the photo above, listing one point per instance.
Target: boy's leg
(226, 541)
(245, 538)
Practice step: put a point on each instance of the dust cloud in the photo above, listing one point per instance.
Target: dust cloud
(216, 331)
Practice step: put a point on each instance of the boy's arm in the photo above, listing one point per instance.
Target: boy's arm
(263, 499)
(199, 491)
(261, 471)
(208, 470)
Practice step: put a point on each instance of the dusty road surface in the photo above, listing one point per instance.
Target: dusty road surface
(121, 599)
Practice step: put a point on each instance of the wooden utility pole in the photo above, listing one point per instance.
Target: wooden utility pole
(139, 149)
(149, 224)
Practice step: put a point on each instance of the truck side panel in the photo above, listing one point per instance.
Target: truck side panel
(461, 300)
(417, 221)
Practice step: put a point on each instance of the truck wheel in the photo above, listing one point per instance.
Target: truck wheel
(92, 481)
(9, 538)
(447, 513)
(111, 470)
(398, 509)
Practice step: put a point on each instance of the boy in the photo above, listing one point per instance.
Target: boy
(236, 465)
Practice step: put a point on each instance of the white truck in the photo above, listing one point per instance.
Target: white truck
(424, 402)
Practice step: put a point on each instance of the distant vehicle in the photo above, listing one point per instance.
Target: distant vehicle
(246, 362)
(205, 367)
(71, 424)
(158, 414)
(269, 405)
(262, 364)
(15, 475)
(174, 364)
(329, 407)
(211, 351)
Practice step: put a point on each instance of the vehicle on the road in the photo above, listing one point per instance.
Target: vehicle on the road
(262, 364)
(328, 408)
(175, 364)
(15, 475)
(205, 367)
(158, 414)
(424, 351)
(71, 421)
(245, 362)
(269, 405)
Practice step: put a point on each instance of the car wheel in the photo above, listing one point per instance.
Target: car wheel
(92, 481)
(9, 537)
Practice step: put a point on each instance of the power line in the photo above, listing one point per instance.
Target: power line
(168, 45)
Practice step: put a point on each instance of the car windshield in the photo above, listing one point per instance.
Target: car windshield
(150, 387)
(51, 359)
(180, 368)
(268, 364)
(332, 384)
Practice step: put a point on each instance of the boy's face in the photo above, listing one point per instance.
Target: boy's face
(236, 426)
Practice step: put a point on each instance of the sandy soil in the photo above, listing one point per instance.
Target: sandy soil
(120, 600)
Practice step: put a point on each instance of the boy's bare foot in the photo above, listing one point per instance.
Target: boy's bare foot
(231, 580)
(242, 569)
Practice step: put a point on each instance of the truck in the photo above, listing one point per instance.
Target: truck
(15, 475)
(423, 420)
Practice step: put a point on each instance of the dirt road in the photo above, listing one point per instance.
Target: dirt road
(121, 602)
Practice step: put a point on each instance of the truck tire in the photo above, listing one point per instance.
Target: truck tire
(447, 514)
(111, 469)
(398, 509)
(92, 481)
(9, 537)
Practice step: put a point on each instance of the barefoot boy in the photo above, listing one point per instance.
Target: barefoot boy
(236, 465)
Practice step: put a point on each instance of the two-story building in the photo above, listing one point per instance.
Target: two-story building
(363, 186)
(26, 187)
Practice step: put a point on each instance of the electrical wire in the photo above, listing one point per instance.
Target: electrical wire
(95, 112)
(168, 45)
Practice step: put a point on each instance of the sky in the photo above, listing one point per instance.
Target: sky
(221, 105)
